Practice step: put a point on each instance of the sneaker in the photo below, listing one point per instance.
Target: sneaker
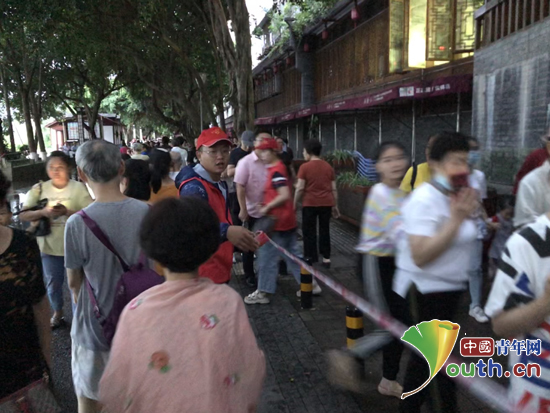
(480, 316)
(390, 388)
(344, 371)
(316, 290)
(326, 262)
(257, 297)
(57, 322)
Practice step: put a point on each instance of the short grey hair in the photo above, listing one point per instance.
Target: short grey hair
(137, 147)
(99, 160)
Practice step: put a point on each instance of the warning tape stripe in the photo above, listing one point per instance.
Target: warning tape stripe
(486, 390)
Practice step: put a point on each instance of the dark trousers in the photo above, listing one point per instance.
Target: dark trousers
(234, 208)
(378, 273)
(248, 257)
(310, 216)
(441, 392)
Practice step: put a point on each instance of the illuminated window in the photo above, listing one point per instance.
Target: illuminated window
(440, 24)
(465, 24)
(417, 33)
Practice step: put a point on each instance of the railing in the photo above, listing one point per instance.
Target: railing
(500, 18)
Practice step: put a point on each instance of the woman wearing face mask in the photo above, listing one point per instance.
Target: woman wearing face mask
(65, 197)
(381, 223)
(438, 238)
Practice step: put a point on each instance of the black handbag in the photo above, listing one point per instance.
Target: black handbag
(44, 227)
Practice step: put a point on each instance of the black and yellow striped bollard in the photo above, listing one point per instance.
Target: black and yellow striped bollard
(354, 325)
(306, 289)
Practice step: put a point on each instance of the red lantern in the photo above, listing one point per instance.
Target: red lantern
(288, 61)
(306, 47)
(265, 76)
(324, 35)
(275, 68)
(354, 14)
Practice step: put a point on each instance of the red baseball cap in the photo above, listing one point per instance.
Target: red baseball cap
(268, 143)
(212, 136)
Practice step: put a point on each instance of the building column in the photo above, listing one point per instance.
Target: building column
(413, 132)
(458, 112)
(355, 133)
(320, 135)
(335, 135)
(380, 127)
(297, 139)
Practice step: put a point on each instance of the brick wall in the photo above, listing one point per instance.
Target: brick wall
(511, 102)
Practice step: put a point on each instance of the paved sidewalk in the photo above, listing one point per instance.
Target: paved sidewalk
(295, 340)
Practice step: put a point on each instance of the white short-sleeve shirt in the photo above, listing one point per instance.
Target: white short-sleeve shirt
(425, 213)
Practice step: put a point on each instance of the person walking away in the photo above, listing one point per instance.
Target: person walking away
(418, 174)
(519, 306)
(277, 204)
(247, 142)
(317, 186)
(25, 336)
(380, 227)
(533, 198)
(88, 261)
(504, 227)
(176, 164)
(65, 197)
(204, 180)
(137, 150)
(250, 178)
(178, 146)
(165, 143)
(136, 180)
(162, 186)
(478, 182)
(187, 330)
(437, 240)
(534, 160)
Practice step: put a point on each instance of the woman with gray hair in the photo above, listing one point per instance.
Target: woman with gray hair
(87, 260)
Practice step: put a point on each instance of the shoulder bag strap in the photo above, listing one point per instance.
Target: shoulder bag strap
(413, 177)
(100, 235)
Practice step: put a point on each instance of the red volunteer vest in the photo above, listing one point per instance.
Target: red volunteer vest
(284, 215)
(218, 267)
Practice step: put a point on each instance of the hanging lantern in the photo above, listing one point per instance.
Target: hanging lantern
(306, 47)
(258, 82)
(275, 68)
(265, 76)
(324, 35)
(288, 61)
(354, 14)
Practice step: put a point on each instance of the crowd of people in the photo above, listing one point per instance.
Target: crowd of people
(187, 209)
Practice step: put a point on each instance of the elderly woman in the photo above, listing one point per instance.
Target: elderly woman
(25, 331)
(65, 197)
(185, 345)
(139, 152)
(433, 255)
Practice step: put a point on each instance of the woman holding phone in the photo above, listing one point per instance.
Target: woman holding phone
(433, 255)
(64, 198)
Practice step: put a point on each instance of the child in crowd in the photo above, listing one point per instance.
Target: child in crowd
(519, 305)
(185, 345)
(503, 221)
(5, 214)
(380, 226)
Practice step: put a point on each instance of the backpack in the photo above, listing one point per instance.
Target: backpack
(134, 280)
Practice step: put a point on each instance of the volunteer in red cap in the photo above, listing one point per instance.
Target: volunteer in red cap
(204, 180)
(277, 204)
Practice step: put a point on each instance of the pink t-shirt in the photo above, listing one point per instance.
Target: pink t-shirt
(252, 173)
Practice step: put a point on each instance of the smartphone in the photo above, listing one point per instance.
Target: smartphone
(459, 181)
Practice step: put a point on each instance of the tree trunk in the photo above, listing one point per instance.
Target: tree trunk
(27, 115)
(38, 125)
(221, 113)
(8, 109)
(93, 114)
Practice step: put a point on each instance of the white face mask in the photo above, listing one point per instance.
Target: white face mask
(443, 181)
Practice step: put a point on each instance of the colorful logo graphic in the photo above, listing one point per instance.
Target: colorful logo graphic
(435, 340)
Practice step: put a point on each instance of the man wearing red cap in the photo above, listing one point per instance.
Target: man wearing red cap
(204, 180)
(277, 204)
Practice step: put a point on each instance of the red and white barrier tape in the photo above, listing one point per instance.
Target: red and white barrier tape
(486, 390)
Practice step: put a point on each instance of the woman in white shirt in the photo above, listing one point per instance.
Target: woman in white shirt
(433, 256)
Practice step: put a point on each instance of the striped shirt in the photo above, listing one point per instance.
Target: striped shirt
(521, 278)
(381, 221)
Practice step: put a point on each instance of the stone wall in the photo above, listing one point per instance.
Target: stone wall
(512, 99)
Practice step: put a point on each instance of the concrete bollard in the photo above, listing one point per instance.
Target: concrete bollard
(306, 289)
(354, 325)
